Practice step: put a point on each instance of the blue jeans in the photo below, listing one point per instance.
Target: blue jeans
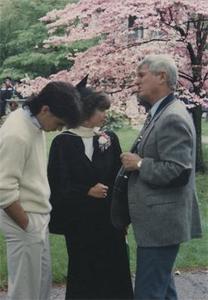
(154, 278)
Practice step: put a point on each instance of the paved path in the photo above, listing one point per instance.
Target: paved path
(190, 286)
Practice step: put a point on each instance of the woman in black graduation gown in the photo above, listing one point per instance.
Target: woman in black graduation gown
(82, 169)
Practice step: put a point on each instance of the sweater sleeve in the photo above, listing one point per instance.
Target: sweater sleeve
(13, 153)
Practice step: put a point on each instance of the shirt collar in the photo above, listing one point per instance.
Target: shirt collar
(33, 119)
(155, 107)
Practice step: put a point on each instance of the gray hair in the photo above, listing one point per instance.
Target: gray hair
(160, 62)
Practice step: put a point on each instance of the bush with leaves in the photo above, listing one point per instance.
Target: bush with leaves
(115, 121)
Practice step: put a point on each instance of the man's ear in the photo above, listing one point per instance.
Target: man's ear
(163, 77)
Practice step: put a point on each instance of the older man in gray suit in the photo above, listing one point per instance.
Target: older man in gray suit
(161, 188)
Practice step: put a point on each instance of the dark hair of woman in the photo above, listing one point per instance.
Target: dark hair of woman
(62, 99)
(92, 101)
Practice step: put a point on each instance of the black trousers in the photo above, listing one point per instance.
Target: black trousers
(98, 263)
(154, 278)
(2, 107)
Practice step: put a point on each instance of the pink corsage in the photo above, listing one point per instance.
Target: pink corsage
(104, 141)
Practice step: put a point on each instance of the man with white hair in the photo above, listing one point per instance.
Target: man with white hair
(161, 188)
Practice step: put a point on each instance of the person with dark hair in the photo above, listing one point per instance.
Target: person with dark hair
(60, 98)
(24, 189)
(6, 92)
(83, 163)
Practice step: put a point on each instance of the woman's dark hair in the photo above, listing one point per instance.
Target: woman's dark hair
(92, 101)
(62, 99)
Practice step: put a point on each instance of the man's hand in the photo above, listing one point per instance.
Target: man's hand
(130, 161)
(17, 214)
(98, 191)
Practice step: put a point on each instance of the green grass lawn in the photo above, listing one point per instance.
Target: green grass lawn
(204, 127)
(192, 255)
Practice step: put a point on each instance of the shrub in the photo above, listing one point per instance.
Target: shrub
(115, 121)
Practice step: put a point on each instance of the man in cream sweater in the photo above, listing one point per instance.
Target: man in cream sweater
(24, 188)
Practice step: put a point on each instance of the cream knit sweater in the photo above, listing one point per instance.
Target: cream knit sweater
(23, 165)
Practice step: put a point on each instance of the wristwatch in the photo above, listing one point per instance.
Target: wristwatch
(139, 164)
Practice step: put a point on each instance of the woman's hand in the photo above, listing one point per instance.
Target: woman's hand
(98, 191)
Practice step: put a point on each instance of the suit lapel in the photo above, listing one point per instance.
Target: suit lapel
(147, 132)
(145, 135)
(80, 148)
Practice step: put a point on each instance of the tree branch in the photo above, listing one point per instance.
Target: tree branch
(120, 90)
(192, 54)
(186, 77)
(175, 27)
(205, 77)
(181, 73)
(145, 42)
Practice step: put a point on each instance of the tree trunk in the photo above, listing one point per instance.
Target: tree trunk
(197, 118)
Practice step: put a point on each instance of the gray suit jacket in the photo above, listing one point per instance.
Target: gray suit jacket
(162, 194)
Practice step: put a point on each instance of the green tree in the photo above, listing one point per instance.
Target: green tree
(22, 36)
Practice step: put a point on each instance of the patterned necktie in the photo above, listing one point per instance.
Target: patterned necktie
(147, 120)
(146, 123)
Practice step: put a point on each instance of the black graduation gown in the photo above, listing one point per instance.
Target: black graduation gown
(98, 261)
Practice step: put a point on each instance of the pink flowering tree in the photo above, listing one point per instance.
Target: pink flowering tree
(128, 30)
